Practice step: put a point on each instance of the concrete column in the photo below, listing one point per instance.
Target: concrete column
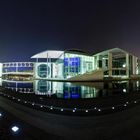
(93, 63)
(127, 65)
(134, 64)
(103, 63)
(97, 62)
(47, 64)
(110, 64)
(138, 66)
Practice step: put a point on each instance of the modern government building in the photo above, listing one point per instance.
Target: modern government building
(74, 65)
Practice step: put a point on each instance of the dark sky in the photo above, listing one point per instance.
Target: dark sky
(28, 27)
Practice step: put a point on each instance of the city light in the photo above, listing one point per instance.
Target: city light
(124, 90)
(15, 129)
(124, 65)
(1, 115)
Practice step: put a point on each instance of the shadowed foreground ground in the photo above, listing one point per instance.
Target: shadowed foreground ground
(120, 125)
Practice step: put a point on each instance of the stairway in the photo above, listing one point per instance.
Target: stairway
(95, 75)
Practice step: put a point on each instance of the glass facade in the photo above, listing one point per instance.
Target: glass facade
(71, 65)
(114, 63)
(67, 64)
(43, 70)
(75, 64)
(18, 71)
(18, 67)
(117, 63)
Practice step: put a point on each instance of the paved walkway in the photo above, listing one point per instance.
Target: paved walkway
(120, 125)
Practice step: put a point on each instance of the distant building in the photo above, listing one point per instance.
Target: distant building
(117, 63)
(17, 70)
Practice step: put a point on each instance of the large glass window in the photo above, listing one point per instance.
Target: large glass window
(75, 64)
(71, 65)
(118, 72)
(43, 71)
(119, 62)
(25, 69)
(9, 69)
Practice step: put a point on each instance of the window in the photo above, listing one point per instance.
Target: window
(43, 70)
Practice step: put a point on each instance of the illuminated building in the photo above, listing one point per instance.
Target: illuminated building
(75, 65)
(62, 64)
(117, 63)
(17, 70)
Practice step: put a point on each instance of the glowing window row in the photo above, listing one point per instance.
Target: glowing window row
(18, 64)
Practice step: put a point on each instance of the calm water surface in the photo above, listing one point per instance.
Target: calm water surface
(67, 90)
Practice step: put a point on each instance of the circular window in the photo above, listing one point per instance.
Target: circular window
(11, 64)
(43, 71)
(23, 64)
(27, 64)
(31, 64)
(19, 64)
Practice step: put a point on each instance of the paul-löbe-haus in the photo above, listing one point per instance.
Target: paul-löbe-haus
(74, 65)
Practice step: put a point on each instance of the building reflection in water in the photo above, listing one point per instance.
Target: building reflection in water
(64, 90)
(72, 90)
(22, 87)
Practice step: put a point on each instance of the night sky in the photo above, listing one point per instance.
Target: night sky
(29, 27)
